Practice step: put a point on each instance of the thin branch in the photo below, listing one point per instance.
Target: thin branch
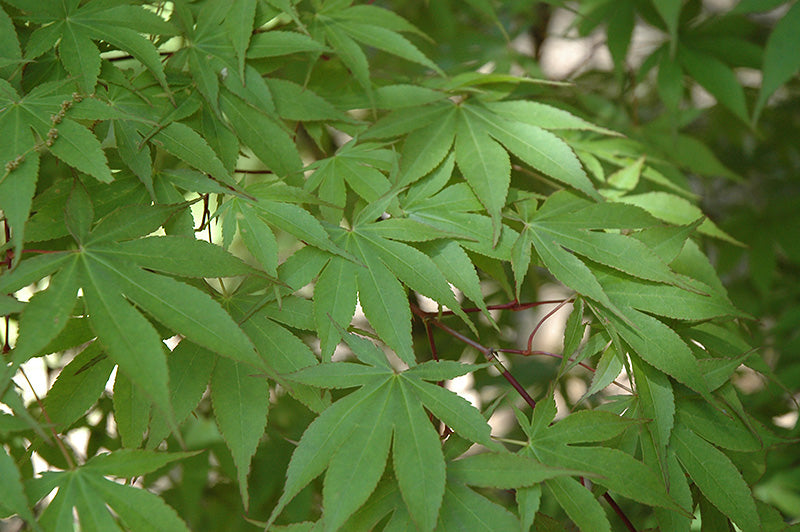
(488, 352)
(446, 430)
(525, 352)
(513, 306)
(50, 424)
(246, 171)
(617, 510)
(541, 322)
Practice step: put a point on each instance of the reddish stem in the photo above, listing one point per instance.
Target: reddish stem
(617, 510)
(446, 431)
(488, 352)
(541, 322)
(491, 355)
(525, 352)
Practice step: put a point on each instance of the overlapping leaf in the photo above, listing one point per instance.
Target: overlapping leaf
(554, 445)
(78, 26)
(386, 404)
(107, 272)
(87, 491)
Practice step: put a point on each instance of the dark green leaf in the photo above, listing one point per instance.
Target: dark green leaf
(241, 402)
(717, 478)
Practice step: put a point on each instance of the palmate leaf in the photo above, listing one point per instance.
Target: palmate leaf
(198, 317)
(566, 222)
(118, 25)
(411, 266)
(345, 26)
(383, 216)
(381, 294)
(88, 491)
(616, 470)
(360, 166)
(385, 404)
(539, 148)
(71, 142)
(618, 251)
(105, 275)
(131, 340)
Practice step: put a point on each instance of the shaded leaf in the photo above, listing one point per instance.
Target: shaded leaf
(241, 403)
(717, 478)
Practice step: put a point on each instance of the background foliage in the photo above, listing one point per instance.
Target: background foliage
(253, 243)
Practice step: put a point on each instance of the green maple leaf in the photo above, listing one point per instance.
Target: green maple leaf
(360, 166)
(114, 268)
(352, 437)
(461, 508)
(75, 28)
(378, 284)
(274, 206)
(619, 472)
(87, 490)
(70, 141)
(346, 26)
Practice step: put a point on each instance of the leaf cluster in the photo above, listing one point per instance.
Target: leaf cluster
(222, 217)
